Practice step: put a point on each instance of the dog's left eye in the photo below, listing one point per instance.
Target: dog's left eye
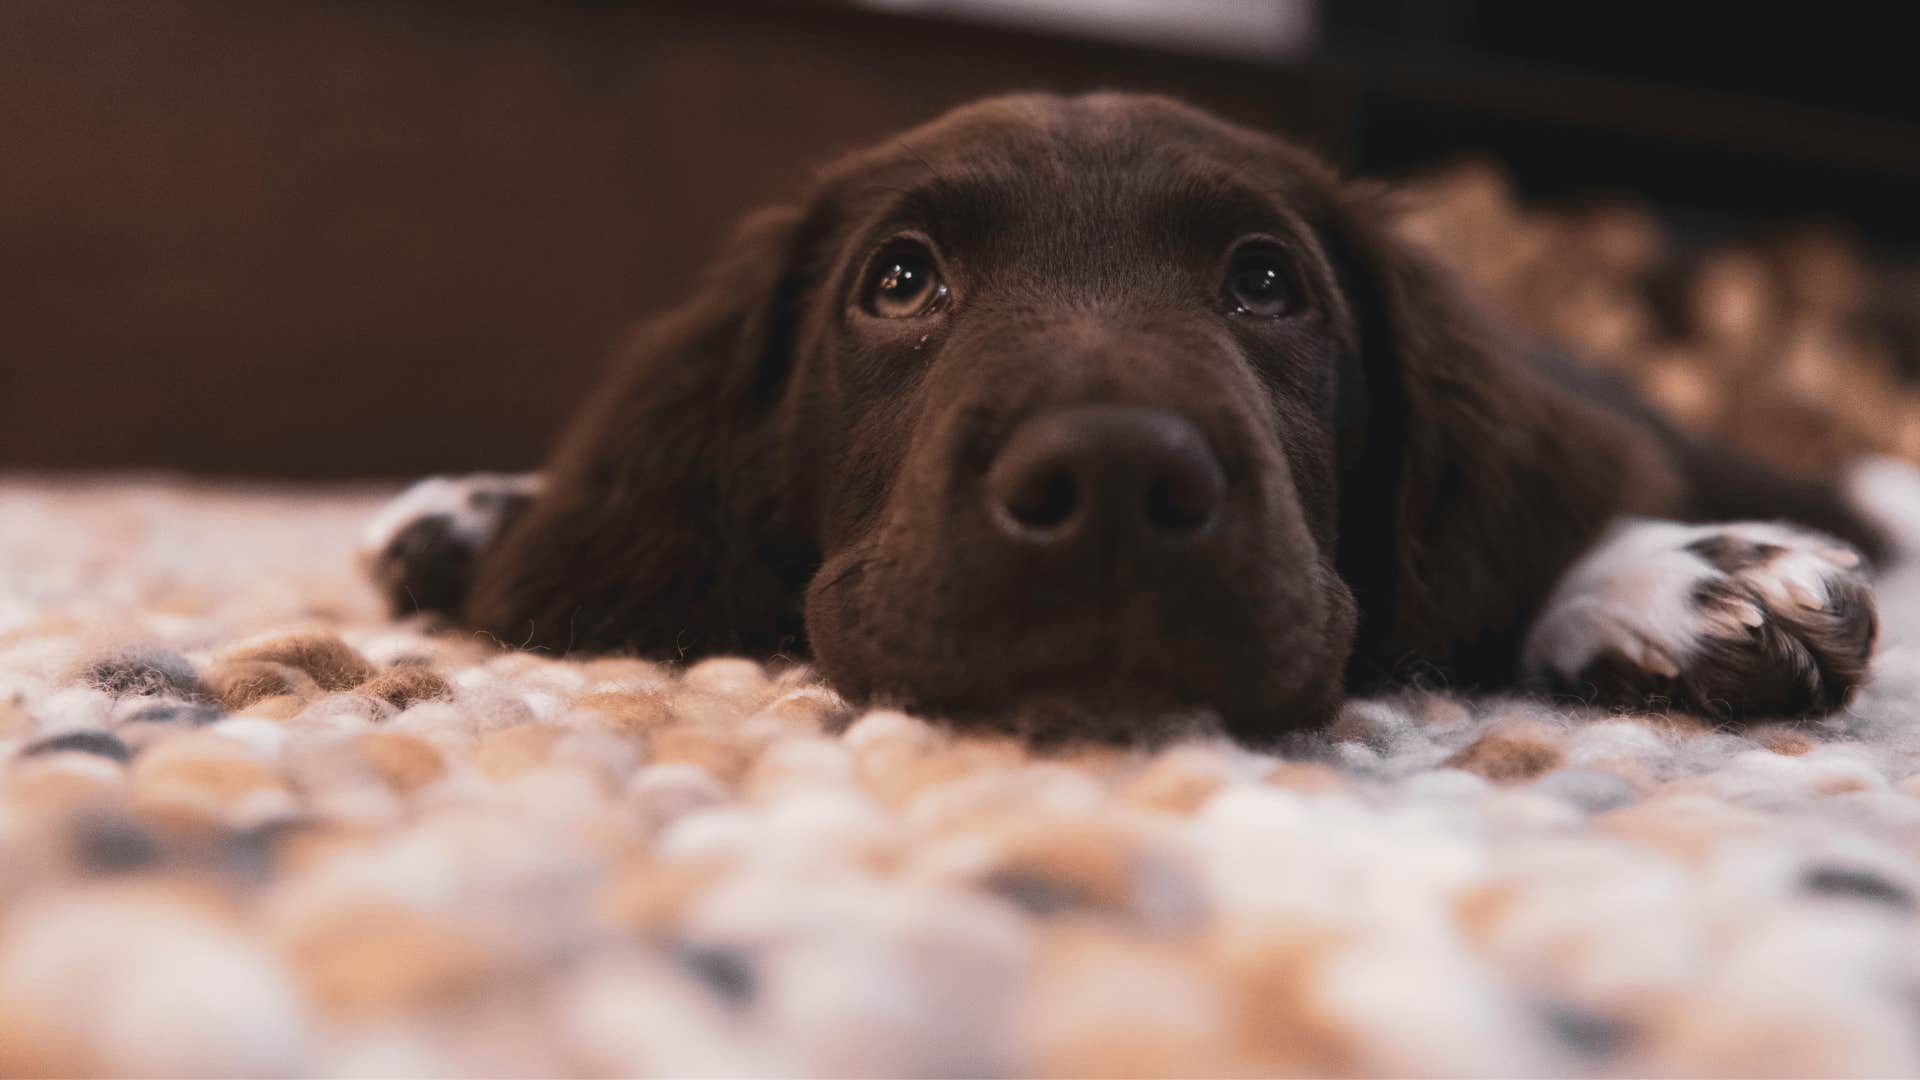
(1257, 283)
(905, 282)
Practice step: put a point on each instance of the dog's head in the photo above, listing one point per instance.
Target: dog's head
(1062, 414)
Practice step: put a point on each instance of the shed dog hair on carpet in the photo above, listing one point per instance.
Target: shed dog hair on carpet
(249, 826)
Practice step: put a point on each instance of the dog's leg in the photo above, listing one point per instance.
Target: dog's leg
(1727, 620)
(420, 548)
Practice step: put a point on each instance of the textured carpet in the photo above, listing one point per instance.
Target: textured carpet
(248, 826)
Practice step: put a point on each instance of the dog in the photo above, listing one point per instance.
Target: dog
(1090, 416)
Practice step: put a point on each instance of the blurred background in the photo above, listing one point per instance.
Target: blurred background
(332, 240)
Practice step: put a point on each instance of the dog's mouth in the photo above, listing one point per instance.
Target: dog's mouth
(1082, 678)
(1250, 653)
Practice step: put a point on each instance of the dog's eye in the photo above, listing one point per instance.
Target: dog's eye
(904, 282)
(1257, 283)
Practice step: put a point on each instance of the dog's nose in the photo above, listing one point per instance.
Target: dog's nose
(1127, 472)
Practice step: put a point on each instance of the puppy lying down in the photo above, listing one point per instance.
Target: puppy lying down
(1102, 417)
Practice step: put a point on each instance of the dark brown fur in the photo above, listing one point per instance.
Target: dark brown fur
(769, 472)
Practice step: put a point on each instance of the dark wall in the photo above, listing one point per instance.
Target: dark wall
(324, 239)
(310, 238)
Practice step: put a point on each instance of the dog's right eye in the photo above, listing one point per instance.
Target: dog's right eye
(904, 282)
(1257, 282)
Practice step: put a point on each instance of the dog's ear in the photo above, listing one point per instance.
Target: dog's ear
(1469, 479)
(665, 527)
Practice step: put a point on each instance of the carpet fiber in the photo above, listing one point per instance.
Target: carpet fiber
(249, 826)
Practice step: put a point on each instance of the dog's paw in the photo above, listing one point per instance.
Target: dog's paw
(1729, 621)
(420, 548)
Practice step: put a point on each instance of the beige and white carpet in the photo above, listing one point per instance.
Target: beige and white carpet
(248, 826)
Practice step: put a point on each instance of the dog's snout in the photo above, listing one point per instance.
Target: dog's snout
(1126, 472)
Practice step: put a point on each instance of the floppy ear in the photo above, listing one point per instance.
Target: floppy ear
(1469, 478)
(666, 526)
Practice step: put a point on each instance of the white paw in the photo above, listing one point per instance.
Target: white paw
(419, 548)
(1887, 491)
(1727, 619)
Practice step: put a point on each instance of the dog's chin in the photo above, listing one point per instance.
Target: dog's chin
(1068, 709)
(1063, 715)
(1256, 662)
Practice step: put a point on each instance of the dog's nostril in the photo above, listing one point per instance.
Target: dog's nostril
(1107, 474)
(1180, 503)
(1045, 498)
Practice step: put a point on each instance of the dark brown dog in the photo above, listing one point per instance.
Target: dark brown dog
(1077, 415)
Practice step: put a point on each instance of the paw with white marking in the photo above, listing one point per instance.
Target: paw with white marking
(420, 548)
(1729, 621)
